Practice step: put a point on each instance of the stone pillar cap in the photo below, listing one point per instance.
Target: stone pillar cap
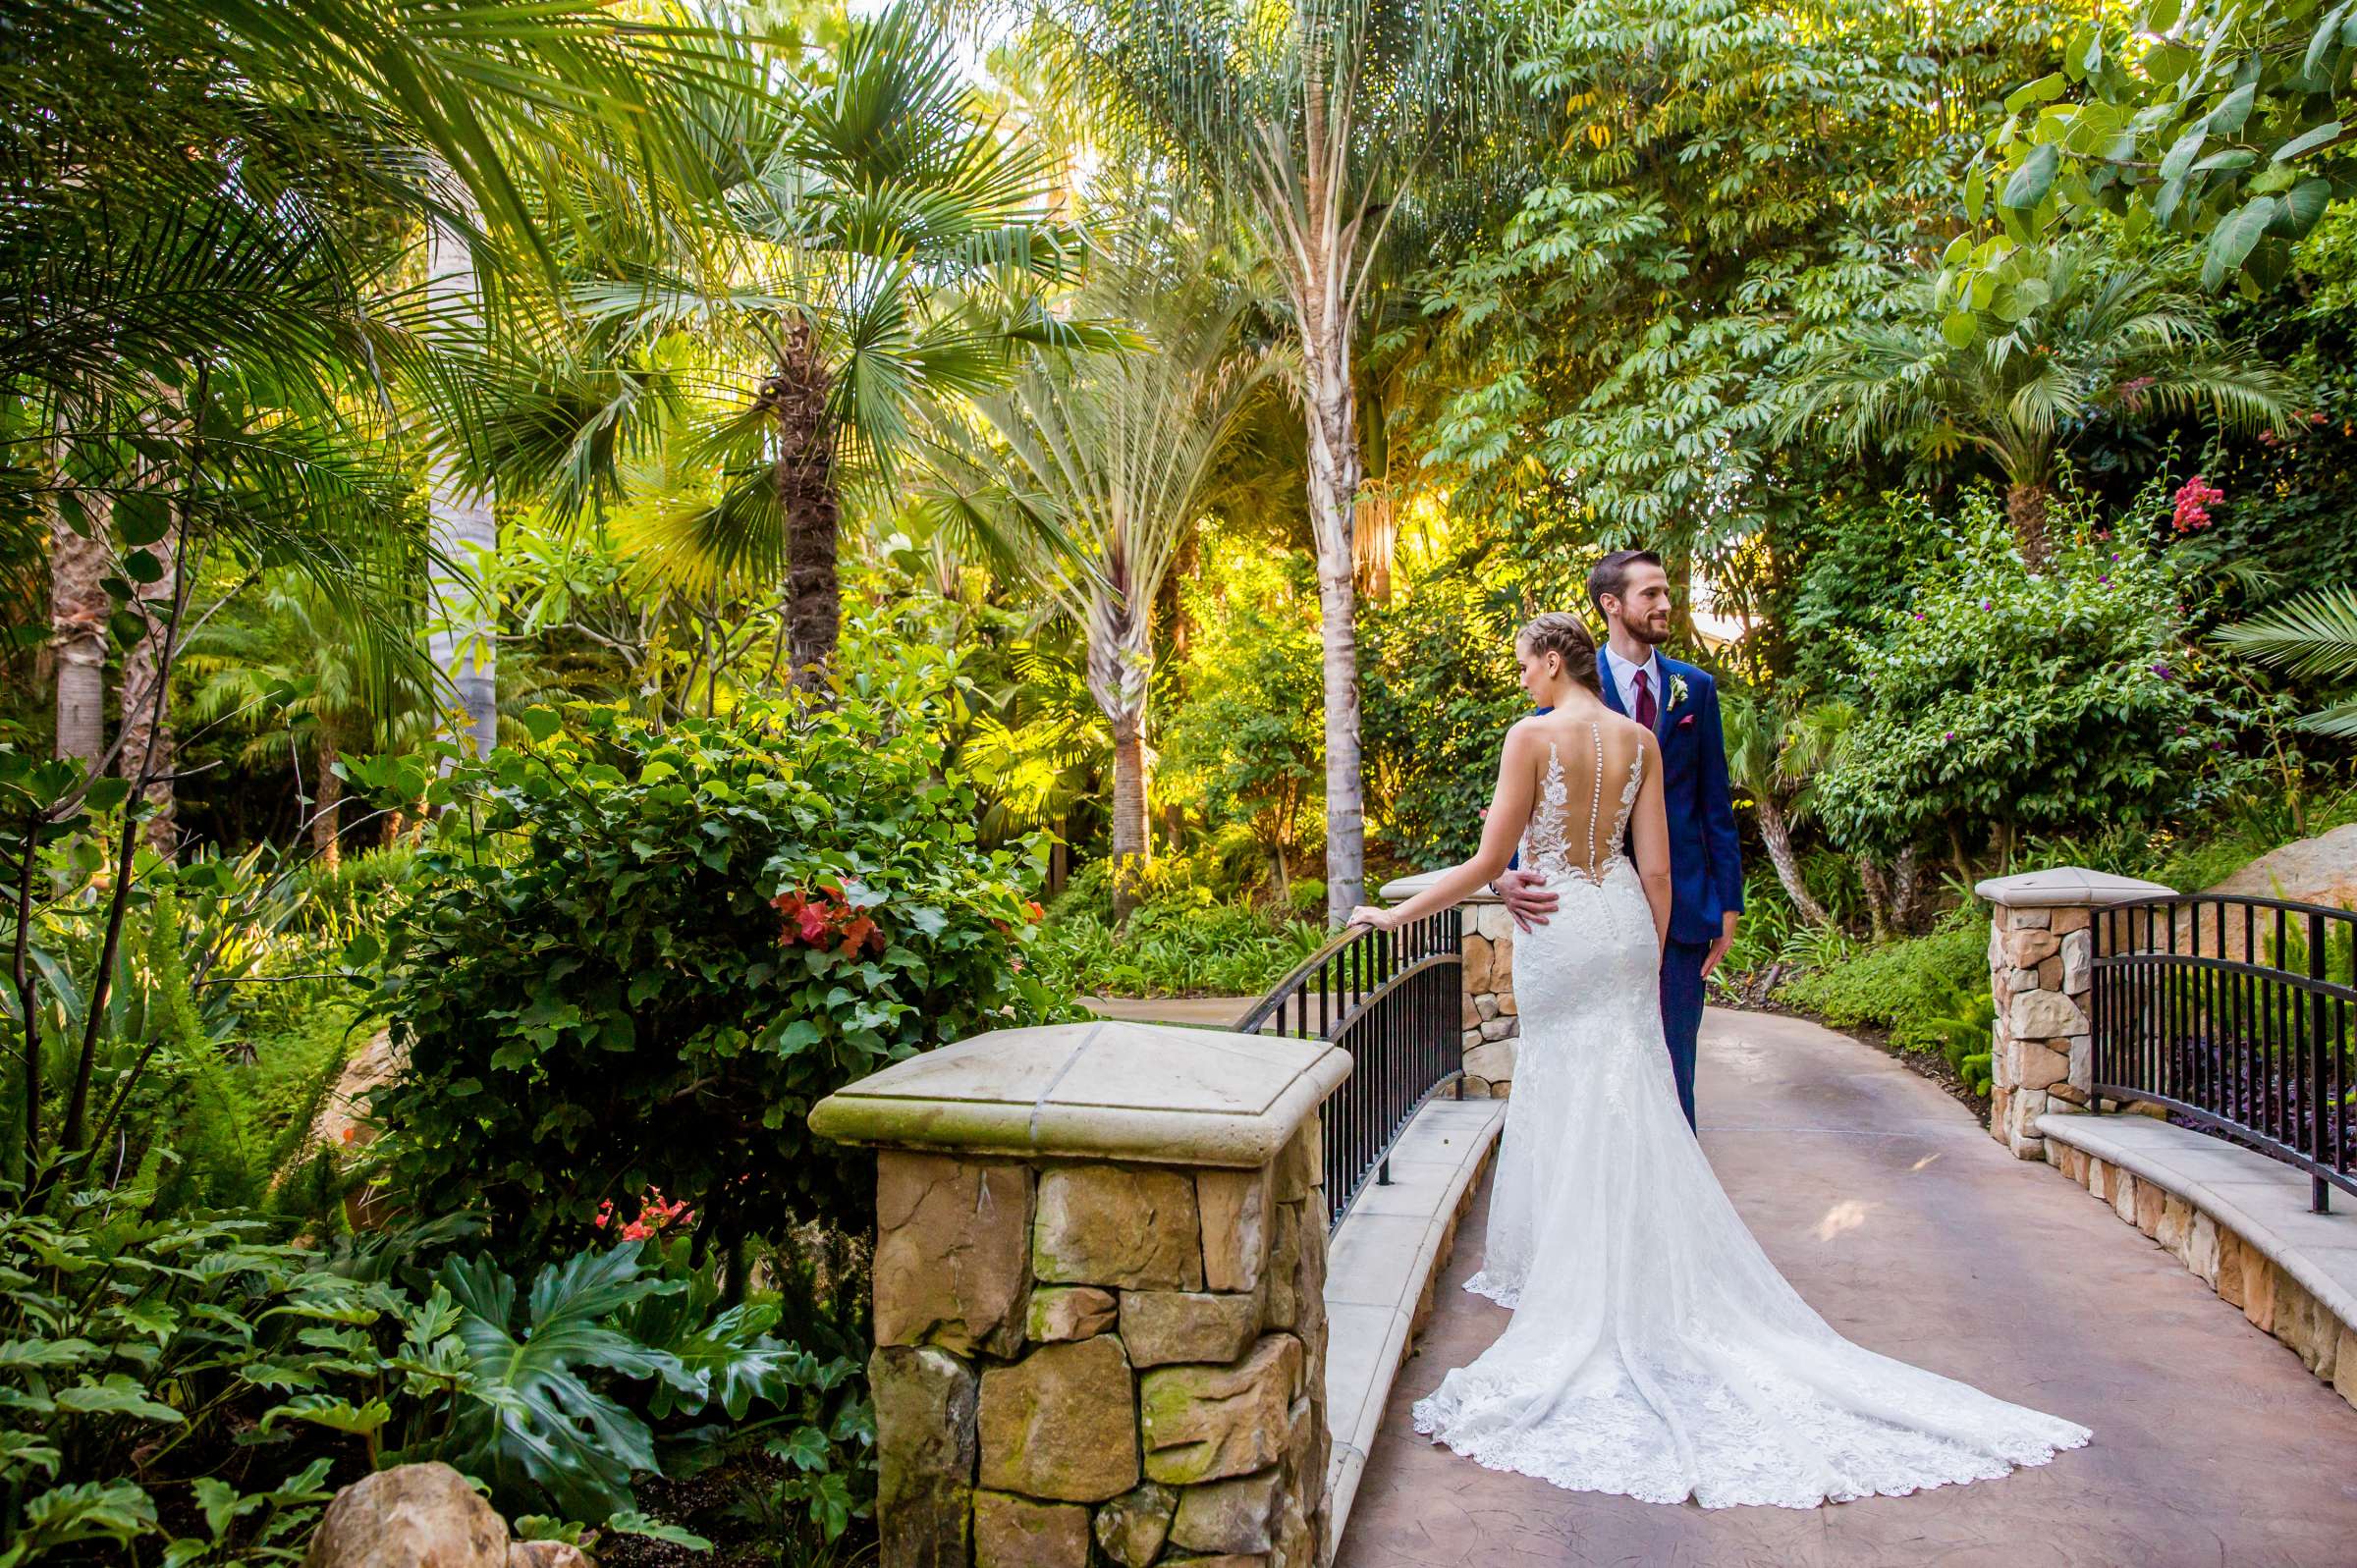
(1110, 1090)
(1402, 888)
(2062, 885)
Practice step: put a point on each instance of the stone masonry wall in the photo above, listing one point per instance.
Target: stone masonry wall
(1491, 1021)
(1087, 1363)
(2041, 1048)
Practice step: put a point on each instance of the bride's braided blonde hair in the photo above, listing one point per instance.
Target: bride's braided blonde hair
(1560, 632)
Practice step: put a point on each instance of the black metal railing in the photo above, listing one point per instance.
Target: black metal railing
(2235, 1014)
(1392, 999)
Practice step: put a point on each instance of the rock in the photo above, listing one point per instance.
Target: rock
(1296, 1539)
(1238, 1514)
(2199, 1250)
(411, 1515)
(1498, 1028)
(1493, 1060)
(1300, 1163)
(2123, 1194)
(2077, 955)
(1486, 1005)
(1236, 1210)
(1476, 959)
(1226, 1559)
(2029, 949)
(2080, 1049)
(925, 1402)
(1061, 1312)
(2306, 1326)
(1492, 922)
(2037, 1065)
(2049, 975)
(952, 1243)
(547, 1554)
(1131, 1527)
(2065, 921)
(2068, 1094)
(1309, 1284)
(1202, 1422)
(2262, 1284)
(1307, 1444)
(2029, 919)
(1116, 1226)
(1285, 1262)
(2041, 1015)
(1062, 1423)
(2318, 870)
(2152, 1201)
(1998, 951)
(1507, 1005)
(2229, 1266)
(2000, 1106)
(1162, 1326)
(1468, 1017)
(1018, 1532)
(2344, 1364)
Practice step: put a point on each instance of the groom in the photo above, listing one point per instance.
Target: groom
(1632, 591)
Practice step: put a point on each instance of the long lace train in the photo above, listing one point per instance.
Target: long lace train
(1654, 1350)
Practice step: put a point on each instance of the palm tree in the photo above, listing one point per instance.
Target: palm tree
(1762, 759)
(1312, 120)
(1112, 456)
(2313, 637)
(2098, 333)
(873, 251)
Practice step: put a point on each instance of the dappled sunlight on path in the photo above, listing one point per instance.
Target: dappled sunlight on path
(1915, 1234)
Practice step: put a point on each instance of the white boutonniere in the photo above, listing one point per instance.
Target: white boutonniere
(1677, 690)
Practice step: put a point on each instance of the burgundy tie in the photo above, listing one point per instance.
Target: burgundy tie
(1645, 710)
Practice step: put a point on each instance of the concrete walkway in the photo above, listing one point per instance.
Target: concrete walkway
(1915, 1234)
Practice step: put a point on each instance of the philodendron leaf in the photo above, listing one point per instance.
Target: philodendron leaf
(2031, 182)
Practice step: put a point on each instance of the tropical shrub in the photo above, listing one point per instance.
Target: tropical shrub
(1177, 948)
(637, 956)
(1908, 987)
(1438, 691)
(202, 1385)
(2000, 700)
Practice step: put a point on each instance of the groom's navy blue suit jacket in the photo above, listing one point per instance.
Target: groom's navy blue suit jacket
(1706, 869)
(1706, 872)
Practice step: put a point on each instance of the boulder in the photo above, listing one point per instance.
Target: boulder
(1116, 1226)
(547, 1554)
(2043, 1014)
(411, 1515)
(1202, 1422)
(1162, 1326)
(1017, 1533)
(953, 1243)
(1237, 1514)
(925, 1401)
(2318, 870)
(2036, 1065)
(2030, 949)
(1131, 1527)
(1069, 1311)
(2078, 953)
(1235, 1207)
(1499, 1028)
(1062, 1423)
(1475, 959)
(1300, 1163)
(1493, 1060)
(1285, 1263)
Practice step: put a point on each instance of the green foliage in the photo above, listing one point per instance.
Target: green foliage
(1438, 692)
(1180, 947)
(205, 1381)
(1995, 696)
(2214, 118)
(637, 956)
(1914, 987)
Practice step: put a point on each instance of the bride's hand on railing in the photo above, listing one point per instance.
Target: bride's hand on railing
(1366, 915)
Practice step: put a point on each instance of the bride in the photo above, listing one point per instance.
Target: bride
(1654, 1350)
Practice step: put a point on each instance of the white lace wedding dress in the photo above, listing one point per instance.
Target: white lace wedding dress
(1654, 1350)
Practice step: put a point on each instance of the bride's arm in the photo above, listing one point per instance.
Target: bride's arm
(1509, 811)
(1650, 831)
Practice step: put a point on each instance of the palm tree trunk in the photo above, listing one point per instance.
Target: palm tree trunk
(148, 745)
(1777, 833)
(463, 639)
(796, 398)
(1334, 481)
(2025, 508)
(1130, 843)
(1878, 897)
(78, 611)
(1906, 886)
(327, 819)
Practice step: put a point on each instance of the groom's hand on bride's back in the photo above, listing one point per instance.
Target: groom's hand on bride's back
(1524, 899)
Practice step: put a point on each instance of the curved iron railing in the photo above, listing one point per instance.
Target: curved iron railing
(2236, 1014)
(1392, 999)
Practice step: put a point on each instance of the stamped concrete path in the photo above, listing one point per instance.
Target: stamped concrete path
(1917, 1235)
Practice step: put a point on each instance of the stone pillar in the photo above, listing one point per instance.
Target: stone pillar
(2041, 1048)
(1489, 1020)
(1100, 1311)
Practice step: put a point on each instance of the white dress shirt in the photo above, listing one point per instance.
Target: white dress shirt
(1624, 677)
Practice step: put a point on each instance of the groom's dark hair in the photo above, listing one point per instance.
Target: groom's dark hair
(1610, 574)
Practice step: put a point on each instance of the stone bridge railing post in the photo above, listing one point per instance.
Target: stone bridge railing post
(2039, 946)
(1100, 1314)
(1489, 1020)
